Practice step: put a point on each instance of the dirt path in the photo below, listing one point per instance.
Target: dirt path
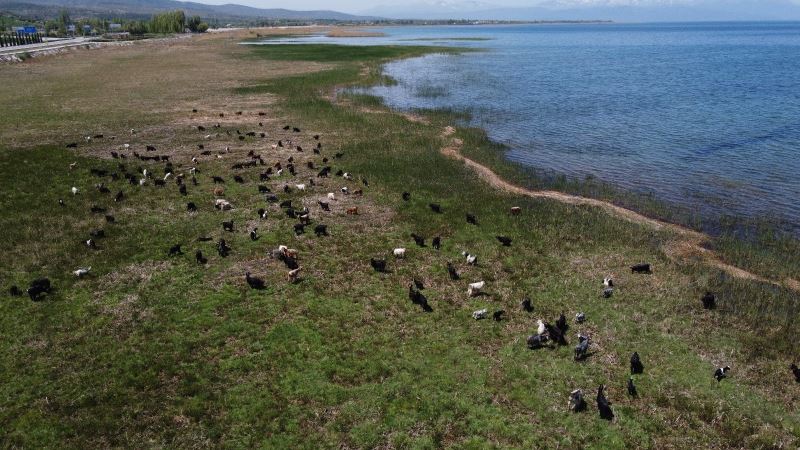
(688, 244)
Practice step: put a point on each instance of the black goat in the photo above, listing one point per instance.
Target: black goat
(200, 258)
(191, 207)
(603, 405)
(636, 364)
(795, 372)
(526, 305)
(721, 373)
(299, 228)
(418, 298)
(452, 271)
(436, 243)
(418, 239)
(227, 226)
(110, 218)
(498, 315)
(238, 179)
(222, 248)
(253, 282)
(582, 348)
(536, 341)
(38, 287)
(472, 219)
(632, 388)
(218, 179)
(506, 241)
(378, 264)
(324, 205)
(321, 230)
(641, 268)
(435, 207)
(561, 323)
(175, 250)
(709, 300)
(254, 234)
(14, 291)
(406, 196)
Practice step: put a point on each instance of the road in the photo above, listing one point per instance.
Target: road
(31, 48)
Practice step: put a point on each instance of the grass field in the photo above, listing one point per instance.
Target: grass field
(158, 351)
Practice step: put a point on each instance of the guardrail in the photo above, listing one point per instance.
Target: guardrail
(14, 39)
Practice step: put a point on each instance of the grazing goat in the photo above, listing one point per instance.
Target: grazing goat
(321, 230)
(110, 219)
(324, 205)
(474, 289)
(417, 298)
(608, 282)
(580, 317)
(641, 268)
(218, 180)
(632, 388)
(253, 282)
(506, 241)
(262, 213)
(191, 207)
(200, 258)
(608, 292)
(498, 315)
(222, 248)
(38, 287)
(353, 211)
(721, 373)
(378, 264)
(418, 239)
(795, 372)
(292, 275)
(14, 291)
(331, 196)
(91, 244)
(582, 348)
(636, 364)
(603, 405)
(436, 243)
(299, 228)
(515, 210)
(472, 219)
(254, 234)
(399, 253)
(406, 196)
(175, 250)
(561, 323)
(97, 210)
(238, 179)
(435, 208)
(536, 341)
(540, 327)
(526, 305)
(471, 259)
(576, 401)
(709, 300)
(74, 190)
(222, 205)
(228, 226)
(452, 271)
(219, 191)
(82, 271)
(480, 314)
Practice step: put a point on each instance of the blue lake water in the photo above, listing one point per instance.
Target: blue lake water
(705, 116)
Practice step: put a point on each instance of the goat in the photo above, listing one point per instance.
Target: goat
(74, 190)
(300, 187)
(636, 364)
(406, 196)
(452, 271)
(795, 372)
(576, 401)
(222, 205)
(200, 258)
(399, 253)
(536, 341)
(191, 207)
(582, 348)
(641, 268)
(353, 211)
(608, 292)
(219, 191)
(561, 323)
(222, 248)
(331, 196)
(38, 287)
(97, 210)
(218, 180)
(603, 405)
(472, 219)
(238, 179)
(98, 233)
(262, 213)
(324, 205)
(378, 264)
(228, 226)
(608, 282)
(515, 210)
(709, 300)
(254, 234)
(292, 275)
(110, 218)
(480, 314)
(498, 315)
(540, 328)
(435, 208)
(182, 190)
(420, 241)
(580, 317)
(14, 291)
(436, 243)
(632, 388)
(526, 305)
(253, 282)
(82, 271)
(474, 289)
(91, 244)
(175, 250)
(299, 228)
(321, 230)
(345, 190)
(721, 373)
(471, 259)
(506, 241)
(417, 298)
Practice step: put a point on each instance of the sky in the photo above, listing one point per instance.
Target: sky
(503, 9)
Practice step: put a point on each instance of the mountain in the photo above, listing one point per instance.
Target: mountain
(146, 8)
(617, 10)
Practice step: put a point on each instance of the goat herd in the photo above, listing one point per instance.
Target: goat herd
(546, 334)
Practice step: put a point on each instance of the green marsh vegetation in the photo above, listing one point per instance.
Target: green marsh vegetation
(162, 352)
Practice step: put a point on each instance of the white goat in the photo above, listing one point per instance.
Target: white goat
(474, 289)
(399, 253)
(480, 314)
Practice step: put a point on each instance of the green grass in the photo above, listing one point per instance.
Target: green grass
(159, 352)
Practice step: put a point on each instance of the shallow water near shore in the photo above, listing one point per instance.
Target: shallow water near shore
(702, 116)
